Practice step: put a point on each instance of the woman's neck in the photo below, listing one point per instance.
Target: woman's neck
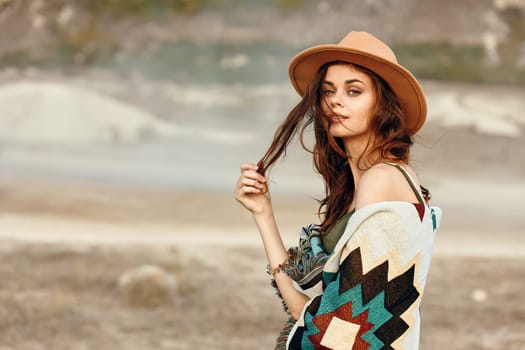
(357, 171)
(358, 160)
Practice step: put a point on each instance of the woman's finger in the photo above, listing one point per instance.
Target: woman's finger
(250, 189)
(249, 166)
(252, 174)
(251, 182)
(246, 182)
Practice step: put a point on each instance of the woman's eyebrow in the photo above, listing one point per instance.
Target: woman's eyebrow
(351, 81)
(347, 82)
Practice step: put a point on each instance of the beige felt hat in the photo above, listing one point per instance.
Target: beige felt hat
(364, 49)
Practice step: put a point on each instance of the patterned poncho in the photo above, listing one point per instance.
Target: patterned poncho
(367, 293)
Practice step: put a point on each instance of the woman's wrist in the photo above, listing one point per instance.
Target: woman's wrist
(266, 224)
(263, 213)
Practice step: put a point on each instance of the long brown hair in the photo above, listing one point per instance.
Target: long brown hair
(390, 141)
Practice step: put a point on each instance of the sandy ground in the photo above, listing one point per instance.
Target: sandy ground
(63, 248)
(64, 242)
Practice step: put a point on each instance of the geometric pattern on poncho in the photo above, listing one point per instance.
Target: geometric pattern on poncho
(366, 306)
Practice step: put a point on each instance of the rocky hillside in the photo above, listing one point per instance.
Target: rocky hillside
(437, 39)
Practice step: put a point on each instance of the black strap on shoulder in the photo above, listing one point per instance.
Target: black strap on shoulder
(410, 181)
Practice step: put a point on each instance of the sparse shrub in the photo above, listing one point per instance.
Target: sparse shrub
(509, 48)
(290, 4)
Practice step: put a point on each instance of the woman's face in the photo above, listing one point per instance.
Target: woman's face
(348, 100)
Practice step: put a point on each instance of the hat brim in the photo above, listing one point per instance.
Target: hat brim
(305, 65)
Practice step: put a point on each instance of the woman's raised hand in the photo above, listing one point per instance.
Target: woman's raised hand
(252, 190)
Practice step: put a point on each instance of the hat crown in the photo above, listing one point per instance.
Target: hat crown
(365, 42)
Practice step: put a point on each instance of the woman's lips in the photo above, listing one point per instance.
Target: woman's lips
(338, 118)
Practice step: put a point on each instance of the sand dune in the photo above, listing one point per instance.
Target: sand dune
(39, 112)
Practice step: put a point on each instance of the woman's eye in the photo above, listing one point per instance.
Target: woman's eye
(353, 92)
(328, 92)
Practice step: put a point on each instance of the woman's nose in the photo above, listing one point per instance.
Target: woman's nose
(335, 101)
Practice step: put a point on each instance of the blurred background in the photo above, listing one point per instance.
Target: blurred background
(122, 127)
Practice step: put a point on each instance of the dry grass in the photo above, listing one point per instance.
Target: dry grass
(67, 298)
(64, 297)
(453, 319)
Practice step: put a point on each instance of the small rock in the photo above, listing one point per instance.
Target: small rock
(147, 286)
(479, 295)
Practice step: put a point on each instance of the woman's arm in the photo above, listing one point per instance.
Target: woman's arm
(252, 192)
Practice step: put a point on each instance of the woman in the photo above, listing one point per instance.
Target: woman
(356, 280)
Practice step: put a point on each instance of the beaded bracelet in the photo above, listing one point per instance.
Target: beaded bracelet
(272, 271)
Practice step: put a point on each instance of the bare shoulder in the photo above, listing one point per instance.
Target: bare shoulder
(384, 182)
